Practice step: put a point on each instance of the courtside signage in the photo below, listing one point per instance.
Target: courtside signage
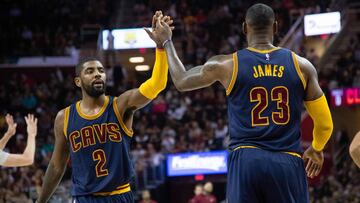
(324, 23)
(127, 39)
(197, 163)
(345, 97)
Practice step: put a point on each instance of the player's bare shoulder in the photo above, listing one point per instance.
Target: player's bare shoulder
(307, 68)
(222, 66)
(221, 61)
(313, 90)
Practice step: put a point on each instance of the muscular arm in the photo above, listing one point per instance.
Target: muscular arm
(57, 165)
(316, 105)
(313, 90)
(129, 102)
(218, 68)
(137, 98)
(134, 99)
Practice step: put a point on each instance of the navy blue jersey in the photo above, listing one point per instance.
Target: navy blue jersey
(99, 150)
(265, 100)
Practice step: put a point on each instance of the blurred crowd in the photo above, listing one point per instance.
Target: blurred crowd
(47, 28)
(174, 122)
(342, 186)
(206, 28)
(42, 28)
(346, 72)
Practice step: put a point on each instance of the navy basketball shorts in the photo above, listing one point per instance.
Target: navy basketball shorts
(260, 176)
(126, 197)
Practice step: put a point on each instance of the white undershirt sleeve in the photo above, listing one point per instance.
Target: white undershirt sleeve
(3, 157)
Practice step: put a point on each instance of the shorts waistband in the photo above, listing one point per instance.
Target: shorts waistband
(119, 190)
(253, 147)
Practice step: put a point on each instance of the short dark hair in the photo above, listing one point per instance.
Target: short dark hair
(260, 16)
(80, 65)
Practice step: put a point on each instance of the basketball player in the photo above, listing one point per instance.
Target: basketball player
(266, 88)
(355, 149)
(27, 157)
(96, 132)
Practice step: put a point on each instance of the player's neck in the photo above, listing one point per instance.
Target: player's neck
(261, 42)
(92, 102)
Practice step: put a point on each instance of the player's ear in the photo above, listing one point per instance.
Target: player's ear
(77, 81)
(275, 27)
(244, 28)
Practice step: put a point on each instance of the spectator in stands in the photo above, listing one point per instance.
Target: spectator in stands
(146, 197)
(155, 158)
(221, 132)
(356, 81)
(110, 53)
(199, 195)
(168, 143)
(209, 197)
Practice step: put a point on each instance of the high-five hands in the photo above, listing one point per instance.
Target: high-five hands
(161, 28)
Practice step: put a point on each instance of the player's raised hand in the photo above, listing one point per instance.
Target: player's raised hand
(164, 30)
(31, 123)
(314, 161)
(168, 21)
(154, 34)
(11, 125)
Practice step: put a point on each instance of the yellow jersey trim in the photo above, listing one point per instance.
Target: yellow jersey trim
(95, 116)
(234, 74)
(119, 190)
(244, 147)
(263, 51)
(66, 120)
(118, 116)
(294, 154)
(253, 147)
(298, 70)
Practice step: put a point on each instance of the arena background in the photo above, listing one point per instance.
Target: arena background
(41, 41)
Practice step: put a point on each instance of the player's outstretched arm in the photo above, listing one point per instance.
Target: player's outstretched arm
(354, 149)
(27, 157)
(10, 131)
(137, 98)
(218, 68)
(318, 108)
(57, 165)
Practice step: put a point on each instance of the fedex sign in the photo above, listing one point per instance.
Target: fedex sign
(345, 97)
(185, 164)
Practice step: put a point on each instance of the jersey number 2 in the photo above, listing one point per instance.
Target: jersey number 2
(99, 156)
(280, 95)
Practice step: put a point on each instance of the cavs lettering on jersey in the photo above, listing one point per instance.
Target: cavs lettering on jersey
(265, 100)
(99, 150)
